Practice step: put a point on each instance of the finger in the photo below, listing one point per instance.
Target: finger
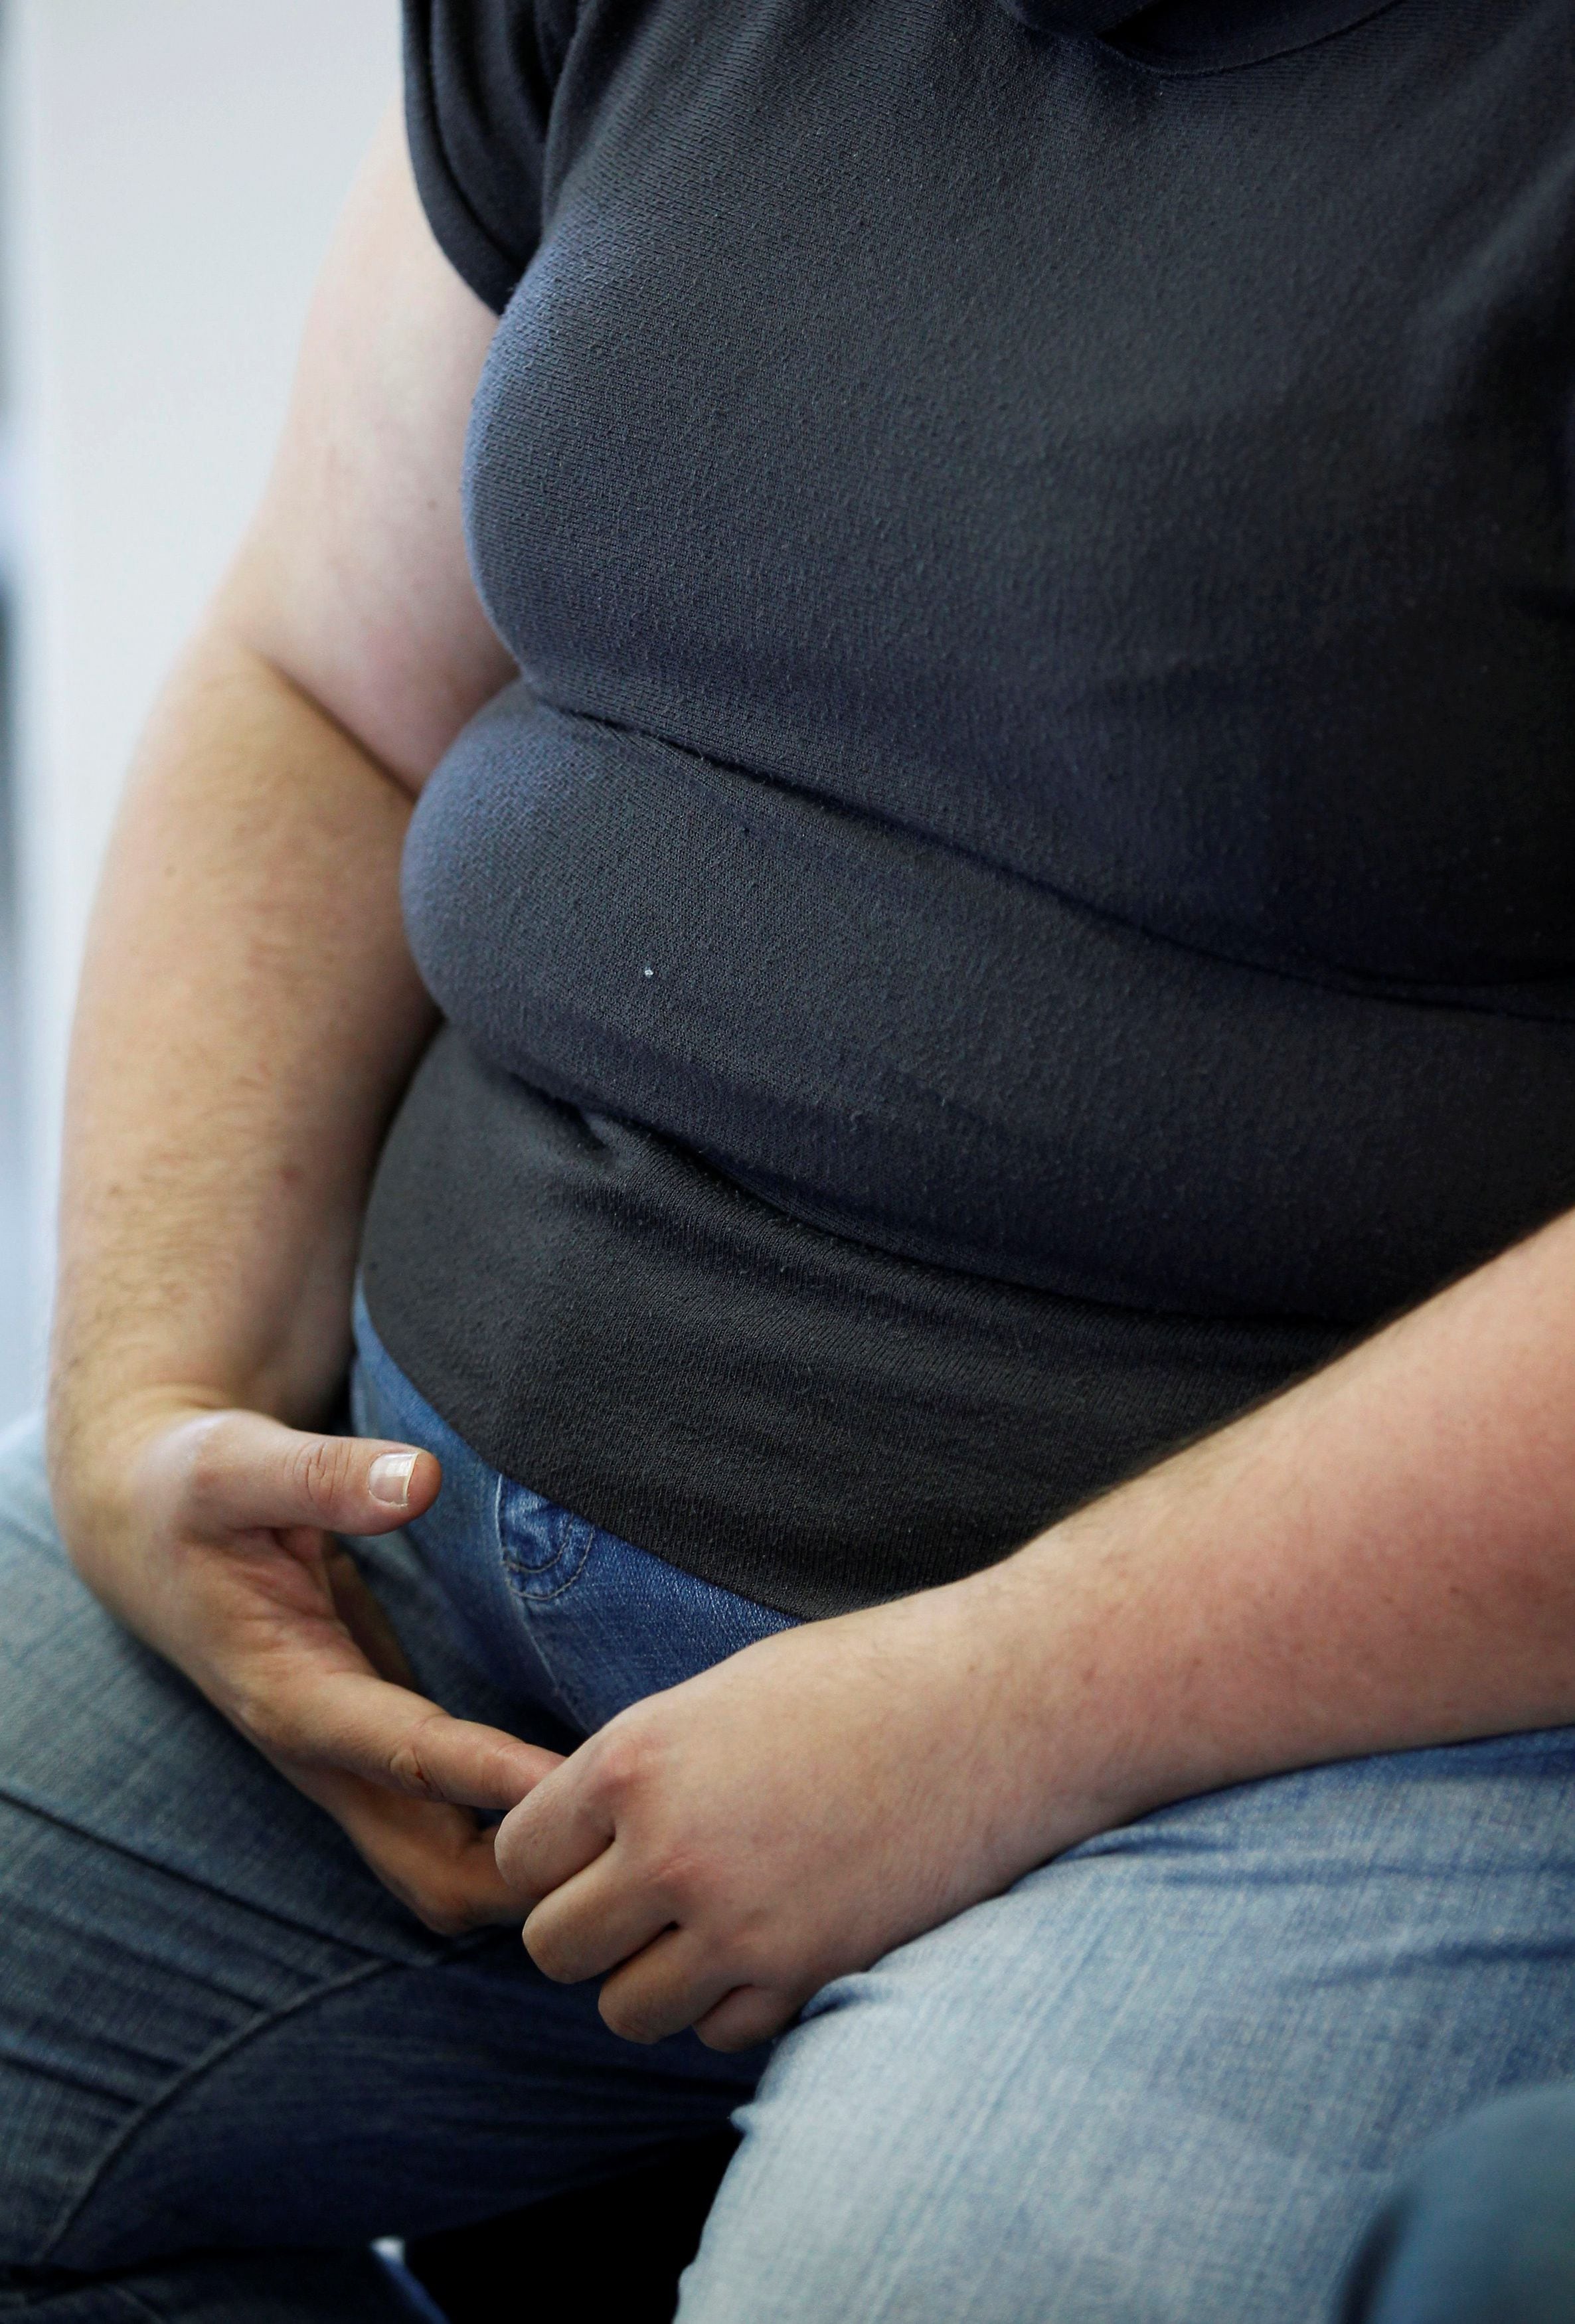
(234, 1472)
(364, 1618)
(563, 1826)
(748, 2015)
(677, 1979)
(384, 1732)
(593, 1922)
(438, 1860)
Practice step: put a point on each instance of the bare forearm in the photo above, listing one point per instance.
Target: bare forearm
(1384, 1557)
(248, 1015)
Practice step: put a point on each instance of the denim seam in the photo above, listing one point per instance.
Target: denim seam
(582, 1541)
(190, 2075)
(11, 1797)
(524, 1600)
(368, 1965)
(518, 1572)
(567, 1694)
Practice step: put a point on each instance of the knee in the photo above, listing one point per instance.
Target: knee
(1482, 2228)
(859, 2199)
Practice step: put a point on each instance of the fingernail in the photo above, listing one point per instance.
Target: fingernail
(389, 1478)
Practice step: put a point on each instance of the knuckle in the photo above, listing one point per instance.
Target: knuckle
(410, 1772)
(210, 1466)
(671, 1877)
(678, 1873)
(625, 1759)
(320, 1472)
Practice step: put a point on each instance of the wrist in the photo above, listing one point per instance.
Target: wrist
(983, 1681)
(117, 1378)
(99, 1433)
(1072, 1674)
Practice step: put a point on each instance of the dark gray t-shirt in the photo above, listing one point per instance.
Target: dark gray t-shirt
(1026, 890)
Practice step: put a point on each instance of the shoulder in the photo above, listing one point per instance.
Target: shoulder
(479, 81)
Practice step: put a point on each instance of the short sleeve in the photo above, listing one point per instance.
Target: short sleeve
(479, 77)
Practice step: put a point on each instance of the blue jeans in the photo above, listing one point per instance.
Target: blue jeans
(1163, 2080)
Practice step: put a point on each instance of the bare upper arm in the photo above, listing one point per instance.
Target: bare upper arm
(353, 579)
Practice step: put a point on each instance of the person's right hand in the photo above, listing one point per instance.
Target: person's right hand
(214, 1541)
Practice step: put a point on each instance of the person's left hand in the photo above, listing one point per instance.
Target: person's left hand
(727, 1846)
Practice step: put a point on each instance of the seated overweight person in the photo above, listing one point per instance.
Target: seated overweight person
(815, 1227)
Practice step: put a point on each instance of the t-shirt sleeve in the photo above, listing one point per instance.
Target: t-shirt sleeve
(479, 77)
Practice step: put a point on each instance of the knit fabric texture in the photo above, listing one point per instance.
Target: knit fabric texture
(1027, 889)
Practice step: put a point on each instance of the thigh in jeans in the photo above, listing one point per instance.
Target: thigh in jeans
(216, 2030)
(1164, 2080)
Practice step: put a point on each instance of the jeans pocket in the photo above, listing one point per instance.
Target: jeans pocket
(543, 1547)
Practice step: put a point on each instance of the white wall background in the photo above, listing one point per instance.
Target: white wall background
(171, 172)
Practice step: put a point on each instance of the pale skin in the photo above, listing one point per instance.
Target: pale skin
(1383, 1557)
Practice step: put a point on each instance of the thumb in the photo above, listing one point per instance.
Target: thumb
(237, 1471)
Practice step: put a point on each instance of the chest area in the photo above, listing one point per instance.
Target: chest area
(1156, 482)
